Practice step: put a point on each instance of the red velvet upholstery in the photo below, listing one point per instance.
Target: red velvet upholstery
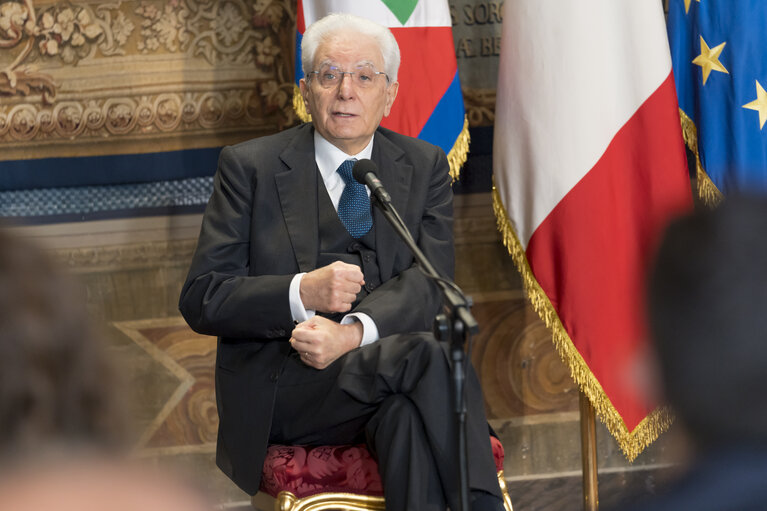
(306, 471)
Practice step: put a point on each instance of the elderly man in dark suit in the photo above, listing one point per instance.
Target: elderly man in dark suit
(313, 297)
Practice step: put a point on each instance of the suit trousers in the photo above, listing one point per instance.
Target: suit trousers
(395, 394)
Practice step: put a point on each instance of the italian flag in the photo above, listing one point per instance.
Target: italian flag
(589, 165)
(429, 103)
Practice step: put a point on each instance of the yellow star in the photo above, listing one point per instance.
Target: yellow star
(759, 104)
(687, 5)
(709, 59)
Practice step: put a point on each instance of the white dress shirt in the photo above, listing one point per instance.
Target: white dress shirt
(329, 158)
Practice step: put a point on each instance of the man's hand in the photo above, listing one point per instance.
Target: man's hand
(332, 288)
(321, 341)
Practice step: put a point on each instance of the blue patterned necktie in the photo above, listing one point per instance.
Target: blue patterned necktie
(354, 206)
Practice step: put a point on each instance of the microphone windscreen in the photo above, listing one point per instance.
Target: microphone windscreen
(361, 168)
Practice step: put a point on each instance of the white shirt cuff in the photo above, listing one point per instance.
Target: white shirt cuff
(297, 309)
(369, 328)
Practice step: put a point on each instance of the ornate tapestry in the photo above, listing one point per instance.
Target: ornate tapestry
(128, 102)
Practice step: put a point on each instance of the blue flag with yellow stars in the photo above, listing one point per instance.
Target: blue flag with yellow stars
(719, 56)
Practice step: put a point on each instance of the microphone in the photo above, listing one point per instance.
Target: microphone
(364, 171)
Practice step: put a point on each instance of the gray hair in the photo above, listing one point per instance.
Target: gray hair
(321, 29)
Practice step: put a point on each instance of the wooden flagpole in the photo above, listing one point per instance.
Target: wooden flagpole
(589, 454)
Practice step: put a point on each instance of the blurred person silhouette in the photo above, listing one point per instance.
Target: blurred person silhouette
(707, 305)
(63, 418)
(96, 484)
(57, 384)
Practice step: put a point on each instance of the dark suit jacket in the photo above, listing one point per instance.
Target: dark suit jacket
(261, 228)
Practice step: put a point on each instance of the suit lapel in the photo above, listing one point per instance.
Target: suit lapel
(395, 174)
(297, 189)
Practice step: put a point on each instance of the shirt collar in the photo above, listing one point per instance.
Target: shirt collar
(329, 157)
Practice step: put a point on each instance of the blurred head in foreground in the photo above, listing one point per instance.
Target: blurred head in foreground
(97, 485)
(57, 387)
(62, 414)
(708, 317)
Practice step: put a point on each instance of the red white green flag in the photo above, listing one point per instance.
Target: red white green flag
(589, 165)
(429, 103)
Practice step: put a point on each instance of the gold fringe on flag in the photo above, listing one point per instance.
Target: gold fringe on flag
(457, 155)
(632, 443)
(299, 106)
(455, 158)
(707, 190)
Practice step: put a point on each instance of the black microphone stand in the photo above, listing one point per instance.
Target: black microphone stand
(456, 325)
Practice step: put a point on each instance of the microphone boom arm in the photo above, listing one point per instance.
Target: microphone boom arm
(456, 324)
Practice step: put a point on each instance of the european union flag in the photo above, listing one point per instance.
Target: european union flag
(719, 56)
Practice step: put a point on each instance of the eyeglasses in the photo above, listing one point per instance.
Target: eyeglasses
(363, 76)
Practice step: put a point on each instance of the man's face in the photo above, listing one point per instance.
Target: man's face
(347, 114)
